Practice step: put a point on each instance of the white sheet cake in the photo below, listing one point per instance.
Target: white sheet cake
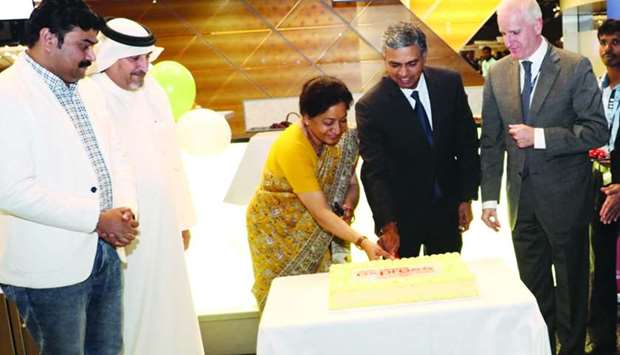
(382, 282)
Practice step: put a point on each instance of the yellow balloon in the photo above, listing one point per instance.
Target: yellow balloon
(178, 83)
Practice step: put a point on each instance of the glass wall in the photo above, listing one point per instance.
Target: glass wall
(580, 24)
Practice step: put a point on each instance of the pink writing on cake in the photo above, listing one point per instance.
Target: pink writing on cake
(389, 273)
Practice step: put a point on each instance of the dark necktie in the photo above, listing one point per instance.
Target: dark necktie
(526, 93)
(422, 117)
(428, 132)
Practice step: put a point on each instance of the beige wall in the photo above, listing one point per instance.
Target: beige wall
(588, 46)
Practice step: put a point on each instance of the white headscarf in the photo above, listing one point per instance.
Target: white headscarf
(130, 39)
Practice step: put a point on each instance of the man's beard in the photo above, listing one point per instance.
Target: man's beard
(610, 59)
(137, 80)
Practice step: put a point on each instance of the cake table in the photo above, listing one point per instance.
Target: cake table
(503, 319)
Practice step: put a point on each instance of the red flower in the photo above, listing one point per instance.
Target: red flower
(598, 154)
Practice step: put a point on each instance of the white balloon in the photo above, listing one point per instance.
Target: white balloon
(203, 132)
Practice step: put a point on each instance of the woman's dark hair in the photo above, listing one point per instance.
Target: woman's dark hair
(60, 16)
(322, 92)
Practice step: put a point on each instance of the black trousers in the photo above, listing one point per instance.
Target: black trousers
(603, 314)
(538, 248)
(436, 228)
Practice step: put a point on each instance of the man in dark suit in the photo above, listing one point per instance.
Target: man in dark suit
(542, 107)
(604, 227)
(420, 148)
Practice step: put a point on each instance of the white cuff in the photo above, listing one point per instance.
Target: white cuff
(489, 204)
(539, 138)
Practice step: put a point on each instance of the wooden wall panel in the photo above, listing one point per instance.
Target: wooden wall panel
(14, 339)
(249, 49)
(7, 346)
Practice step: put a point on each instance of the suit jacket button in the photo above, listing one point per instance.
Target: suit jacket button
(93, 189)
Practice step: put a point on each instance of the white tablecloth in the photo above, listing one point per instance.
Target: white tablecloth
(504, 319)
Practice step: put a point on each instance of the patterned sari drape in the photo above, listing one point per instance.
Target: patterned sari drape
(284, 238)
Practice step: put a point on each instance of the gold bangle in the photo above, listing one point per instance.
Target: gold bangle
(359, 241)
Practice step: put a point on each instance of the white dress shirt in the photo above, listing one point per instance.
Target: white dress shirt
(611, 113)
(536, 58)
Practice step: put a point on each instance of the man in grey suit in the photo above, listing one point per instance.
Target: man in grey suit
(542, 106)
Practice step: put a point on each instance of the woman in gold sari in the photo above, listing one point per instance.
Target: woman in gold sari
(309, 174)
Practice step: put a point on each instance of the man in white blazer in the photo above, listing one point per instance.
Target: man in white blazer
(65, 189)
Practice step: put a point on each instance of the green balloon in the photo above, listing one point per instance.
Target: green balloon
(178, 83)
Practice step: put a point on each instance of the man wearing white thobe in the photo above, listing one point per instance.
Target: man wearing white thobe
(159, 316)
